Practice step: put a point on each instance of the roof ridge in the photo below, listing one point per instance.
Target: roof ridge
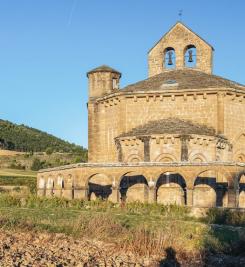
(181, 23)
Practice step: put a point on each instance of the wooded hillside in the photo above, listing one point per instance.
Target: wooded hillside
(27, 139)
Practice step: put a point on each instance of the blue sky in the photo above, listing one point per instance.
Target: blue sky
(47, 46)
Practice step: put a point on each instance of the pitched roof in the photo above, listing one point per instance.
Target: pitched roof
(170, 126)
(104, 68)
(182, 79)
(181, 23)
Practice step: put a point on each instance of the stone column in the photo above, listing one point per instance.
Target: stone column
(189, 196)
(220, 113)
(152, 195)
(184, 147)
(81, 193)
(114, 196)
(233, 196)
(41, 187)
(119, 150)
(146, 141)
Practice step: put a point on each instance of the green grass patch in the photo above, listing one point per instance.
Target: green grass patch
(140, 228)
(18, 173)
(17, 181)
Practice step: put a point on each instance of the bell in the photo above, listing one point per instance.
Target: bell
(170, 60)
(190, 56)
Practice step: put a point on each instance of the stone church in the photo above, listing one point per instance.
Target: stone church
(176, 137)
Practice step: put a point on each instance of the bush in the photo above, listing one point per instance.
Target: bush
(225, 216)
(37, 164)
(49, 151)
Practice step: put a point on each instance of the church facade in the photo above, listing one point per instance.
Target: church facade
(176, 137)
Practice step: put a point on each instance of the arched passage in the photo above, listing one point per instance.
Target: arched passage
(134, 187)
(171, 189)
(241, 200)
(210, 190)
(99, 186)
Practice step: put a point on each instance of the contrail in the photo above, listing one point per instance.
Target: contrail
(71, 13)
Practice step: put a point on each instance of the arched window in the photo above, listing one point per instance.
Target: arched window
(169, 61)
(190, 56)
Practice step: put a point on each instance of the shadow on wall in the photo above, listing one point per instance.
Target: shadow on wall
(100, 191)
(128, 184)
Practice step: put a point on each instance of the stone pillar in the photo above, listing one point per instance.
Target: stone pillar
(119, 150)
(81, 193)
(220, 113)
(41, 186)
(49, 192)
(57, 192)
(146, 141)
(189, 196)
(233, 196)
(114, 196)
(152, 195)
(184, 147)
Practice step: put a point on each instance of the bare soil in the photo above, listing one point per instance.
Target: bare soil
(47, 249)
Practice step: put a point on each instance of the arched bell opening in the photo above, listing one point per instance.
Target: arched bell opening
(171, 189)
(169, 58)
(134, 187)
(190, 56)
(99, 186)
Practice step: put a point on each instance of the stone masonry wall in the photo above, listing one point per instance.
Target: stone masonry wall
(179, 37)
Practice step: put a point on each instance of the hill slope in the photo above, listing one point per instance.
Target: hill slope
(26, 139)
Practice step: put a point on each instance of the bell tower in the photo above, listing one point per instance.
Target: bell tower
(180, 48)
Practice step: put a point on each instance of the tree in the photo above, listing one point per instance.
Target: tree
(49, 151)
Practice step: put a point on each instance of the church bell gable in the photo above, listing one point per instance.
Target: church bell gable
(178, 49)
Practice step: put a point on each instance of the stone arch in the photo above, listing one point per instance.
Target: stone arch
(68, 186)
(241, 197)
(50, 182)
(190, 56)
(210, 189)
(165, 157)
(60, 181)
(171, 189)
(134, 158)
(133, 186)
(197, 158)
(169, 58)
(99, 185)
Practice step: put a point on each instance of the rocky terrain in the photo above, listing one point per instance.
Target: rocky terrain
(44, 249)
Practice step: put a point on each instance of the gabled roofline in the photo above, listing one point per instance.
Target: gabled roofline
(179, 22)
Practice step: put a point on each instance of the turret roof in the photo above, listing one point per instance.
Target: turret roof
(103, 68)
